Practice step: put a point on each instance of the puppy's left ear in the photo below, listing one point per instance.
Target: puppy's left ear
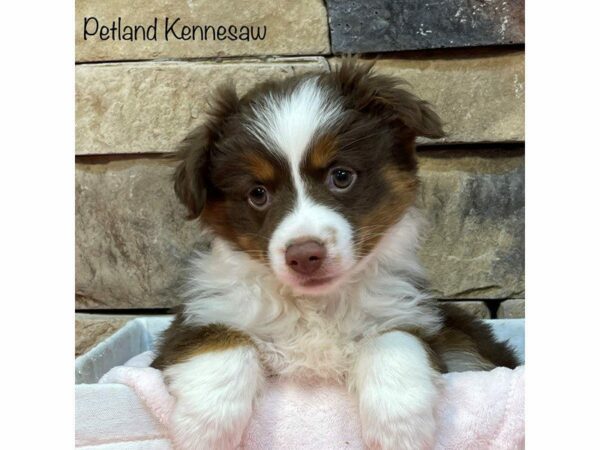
(410, 110)
(383, 95)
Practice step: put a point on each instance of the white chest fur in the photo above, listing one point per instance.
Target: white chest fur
(311, 336)
(315, 346)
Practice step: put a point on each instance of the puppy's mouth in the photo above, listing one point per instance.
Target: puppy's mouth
(308, 267)
(318, 281)
(316, 284)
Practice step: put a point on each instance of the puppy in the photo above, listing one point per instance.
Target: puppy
(308, 186)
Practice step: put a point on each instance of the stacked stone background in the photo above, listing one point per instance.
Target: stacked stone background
(135, 101)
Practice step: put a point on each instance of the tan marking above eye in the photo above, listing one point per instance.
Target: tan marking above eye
(323, 152)
(260, 168)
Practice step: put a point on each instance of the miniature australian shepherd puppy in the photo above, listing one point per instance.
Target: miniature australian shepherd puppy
(308, 186)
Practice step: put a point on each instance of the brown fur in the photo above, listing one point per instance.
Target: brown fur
(400, 194)
(382, 95)
(181, 342)
(261, 168)
(194, 152)
(466, 343)
(323, 152)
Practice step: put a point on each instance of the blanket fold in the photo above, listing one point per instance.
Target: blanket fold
(478, 411)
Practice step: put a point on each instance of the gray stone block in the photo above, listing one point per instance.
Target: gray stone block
(363, 26)
(475, 204)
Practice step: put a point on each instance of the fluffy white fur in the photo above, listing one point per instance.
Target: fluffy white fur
(312, 335)
(397, 392)
(286, 124)
(214, 394)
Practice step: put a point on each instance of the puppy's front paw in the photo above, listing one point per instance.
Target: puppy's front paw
(397, 392)
(219, 429)
(214, 395)
(386, 429)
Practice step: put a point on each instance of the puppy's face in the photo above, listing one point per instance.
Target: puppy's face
(306, 175)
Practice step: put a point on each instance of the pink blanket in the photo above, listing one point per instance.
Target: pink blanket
(480, 410)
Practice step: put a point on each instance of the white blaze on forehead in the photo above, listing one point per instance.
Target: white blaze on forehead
(286, 124)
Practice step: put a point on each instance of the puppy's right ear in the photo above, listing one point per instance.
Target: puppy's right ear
(191, 175)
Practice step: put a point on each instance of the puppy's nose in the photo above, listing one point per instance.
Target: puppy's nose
(305, 257)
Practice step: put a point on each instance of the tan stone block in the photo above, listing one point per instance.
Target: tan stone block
(150, 107)
(91, 329)
(131, 236)
(512, 309)
(480, 96)
(288, 27)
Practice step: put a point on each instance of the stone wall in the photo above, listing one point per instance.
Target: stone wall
(136, 100)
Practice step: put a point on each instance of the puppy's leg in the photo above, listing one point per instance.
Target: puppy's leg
(397, 392)
(214, 394)
(467, 343)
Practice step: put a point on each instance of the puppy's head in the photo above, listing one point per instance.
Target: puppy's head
(306, 175)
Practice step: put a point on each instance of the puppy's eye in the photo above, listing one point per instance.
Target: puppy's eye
(340, 179)
(259, 197)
